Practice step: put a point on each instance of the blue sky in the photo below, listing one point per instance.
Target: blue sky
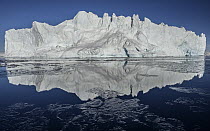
(192, 14)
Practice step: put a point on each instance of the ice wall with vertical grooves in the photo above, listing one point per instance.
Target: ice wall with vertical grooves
(87, 35)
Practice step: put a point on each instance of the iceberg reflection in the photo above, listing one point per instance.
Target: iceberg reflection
(89, 79)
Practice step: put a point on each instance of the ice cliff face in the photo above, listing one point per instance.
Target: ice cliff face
(88, 35)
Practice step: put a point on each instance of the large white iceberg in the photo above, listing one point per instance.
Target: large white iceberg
(87, 35)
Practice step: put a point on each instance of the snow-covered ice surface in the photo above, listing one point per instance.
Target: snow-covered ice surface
(87, 35)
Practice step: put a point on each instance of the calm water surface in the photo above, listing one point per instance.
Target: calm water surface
(119, 94)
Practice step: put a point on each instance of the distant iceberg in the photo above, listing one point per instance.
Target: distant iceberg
(87, 35)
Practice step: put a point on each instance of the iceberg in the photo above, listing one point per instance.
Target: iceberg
(87, 35)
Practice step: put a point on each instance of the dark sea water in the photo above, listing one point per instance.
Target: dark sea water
(148, 94)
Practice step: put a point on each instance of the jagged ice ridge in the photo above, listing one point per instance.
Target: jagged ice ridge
(87, 35)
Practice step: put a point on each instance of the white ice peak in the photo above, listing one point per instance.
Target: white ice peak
(88, 35)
